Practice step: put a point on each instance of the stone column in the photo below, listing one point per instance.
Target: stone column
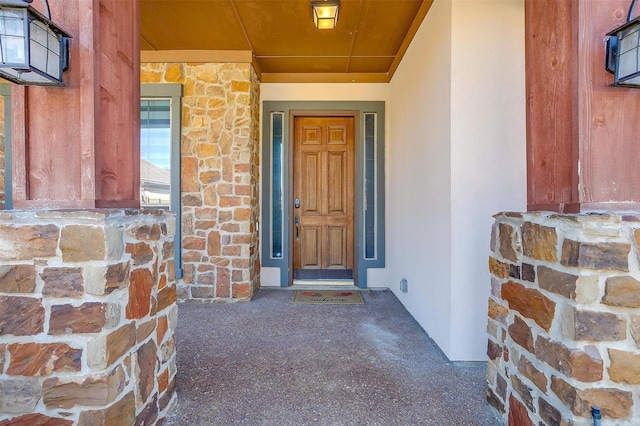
(88, 317)
(564, 329)
(2, 158)
(220, 171)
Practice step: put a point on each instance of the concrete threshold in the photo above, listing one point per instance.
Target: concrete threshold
(325, 287)
(337, 283)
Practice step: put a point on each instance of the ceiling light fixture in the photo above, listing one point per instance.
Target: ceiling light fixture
(33, 50)
(325, 14)
(623, 52)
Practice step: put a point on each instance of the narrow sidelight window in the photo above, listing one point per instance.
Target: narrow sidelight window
(370, 184)
(277, 201)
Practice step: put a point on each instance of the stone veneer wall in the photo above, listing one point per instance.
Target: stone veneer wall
(564, 323)
(220, 169)
(88, 313)
(2, 157)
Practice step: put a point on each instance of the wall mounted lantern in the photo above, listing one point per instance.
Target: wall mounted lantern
(623, 52)
(325, 14)
(33, 50)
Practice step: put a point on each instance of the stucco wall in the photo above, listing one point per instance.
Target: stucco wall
(488, 135)
(419, 221)
(324, 92)
(457, 156)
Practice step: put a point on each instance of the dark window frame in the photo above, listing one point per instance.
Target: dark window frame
(172, 91)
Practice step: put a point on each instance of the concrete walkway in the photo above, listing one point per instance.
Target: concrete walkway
(273, 362)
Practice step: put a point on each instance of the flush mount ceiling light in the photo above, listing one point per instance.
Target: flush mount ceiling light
(33, 50)
(325, 14)
(623, 52)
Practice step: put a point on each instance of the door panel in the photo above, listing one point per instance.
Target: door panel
(324, 183)
(311, 174)
(311, 135)
(337, 236)
(311, 238)
(336, 189)
(337, 135)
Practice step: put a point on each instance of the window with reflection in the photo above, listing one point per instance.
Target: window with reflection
(155, 153)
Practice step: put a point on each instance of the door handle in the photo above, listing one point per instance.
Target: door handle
(297, 221)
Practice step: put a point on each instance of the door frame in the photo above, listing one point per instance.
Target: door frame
(283, 260)
(356, 172)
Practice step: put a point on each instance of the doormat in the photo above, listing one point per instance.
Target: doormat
(327, 297)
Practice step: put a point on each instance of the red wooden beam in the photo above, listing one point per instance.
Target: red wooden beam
(78, 146)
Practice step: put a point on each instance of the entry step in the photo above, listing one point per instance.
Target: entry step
(337, 283)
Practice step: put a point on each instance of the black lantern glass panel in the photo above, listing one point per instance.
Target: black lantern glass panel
(13, 43)
(628, 52)
(33, 50)
(623, 52)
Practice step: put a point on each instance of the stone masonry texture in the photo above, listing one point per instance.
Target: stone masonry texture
(86, 326)
(220, 168)
(2, 158)
(565, 334)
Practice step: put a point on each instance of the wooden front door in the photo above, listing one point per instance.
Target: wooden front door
(324, 197)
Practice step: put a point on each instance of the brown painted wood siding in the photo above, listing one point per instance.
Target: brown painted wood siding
(582, 148)
(609, 116)
(551, 133)
(78, 146)
(118, 153)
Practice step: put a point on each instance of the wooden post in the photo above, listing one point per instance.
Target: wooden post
(582, 148)
(78, 146)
